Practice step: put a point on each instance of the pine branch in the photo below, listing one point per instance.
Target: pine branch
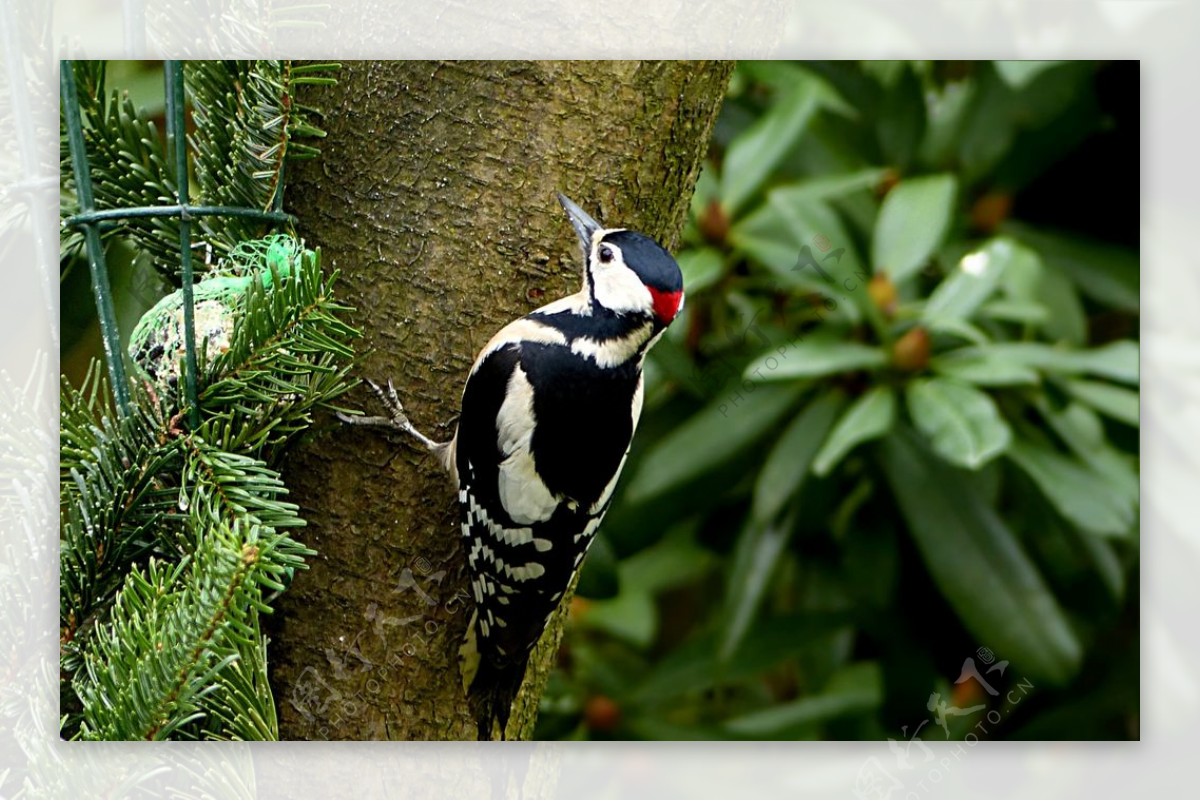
(247, 124)
(173, 649)
(212, 652)
(273, 349)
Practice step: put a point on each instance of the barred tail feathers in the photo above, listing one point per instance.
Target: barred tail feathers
(491, 684)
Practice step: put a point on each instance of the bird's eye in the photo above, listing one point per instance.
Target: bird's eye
(605, 253)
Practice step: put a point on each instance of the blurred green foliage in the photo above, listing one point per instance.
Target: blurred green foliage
(887, 476)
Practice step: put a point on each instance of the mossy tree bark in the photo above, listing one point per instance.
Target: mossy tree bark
(434, 197)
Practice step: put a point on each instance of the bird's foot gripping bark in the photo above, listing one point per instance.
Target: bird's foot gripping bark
(397, 420)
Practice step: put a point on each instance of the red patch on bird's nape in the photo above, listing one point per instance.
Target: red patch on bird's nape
(666, 304)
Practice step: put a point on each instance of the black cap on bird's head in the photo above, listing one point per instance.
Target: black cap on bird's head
(627, 272)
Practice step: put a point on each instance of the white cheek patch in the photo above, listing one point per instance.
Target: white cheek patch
(618, 288)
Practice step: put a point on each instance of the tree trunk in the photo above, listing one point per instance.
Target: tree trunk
(434, 197)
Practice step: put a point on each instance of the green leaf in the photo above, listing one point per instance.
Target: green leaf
(814, 225)
(988, 126)
(1080, 494)
(675, 560)
(1117, 360)
(693, 666)
(1115, 402)
(975, 279)
(783, 75)
(1105, 272)
(900, 122)
(1018, 74)
(701, 267)
(630, 616)
(805, 359)
(947, 109)
(828, 187)
(855, 689)
(782, 235)
(1102, 556)
(755, 153)
(1058, 99)
(1026, 281)
(958, 328)
(1067, 321)
(787, 465)
(766, 237)
(961, 422)
(1015, 311)
(1083, 432)
(983, 366)
(871, 416)
(979, 564)
(712, 436)
(808, 221)
(912, 224)
(754, 562)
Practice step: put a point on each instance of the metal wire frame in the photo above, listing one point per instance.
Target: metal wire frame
(90, 220)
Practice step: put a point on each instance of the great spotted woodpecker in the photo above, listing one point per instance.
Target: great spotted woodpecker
(548, 414)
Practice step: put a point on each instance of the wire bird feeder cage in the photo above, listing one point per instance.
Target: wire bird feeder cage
(90, 220)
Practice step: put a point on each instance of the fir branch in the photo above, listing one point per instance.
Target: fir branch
(246, 120)
(229, 486)
(243, 707)
(124, 150)
(154, 663)
(113, 499)
(173, 542)
(288, 355)
(193, 647)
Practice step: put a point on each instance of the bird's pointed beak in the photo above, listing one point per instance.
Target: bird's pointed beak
(583, 224)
